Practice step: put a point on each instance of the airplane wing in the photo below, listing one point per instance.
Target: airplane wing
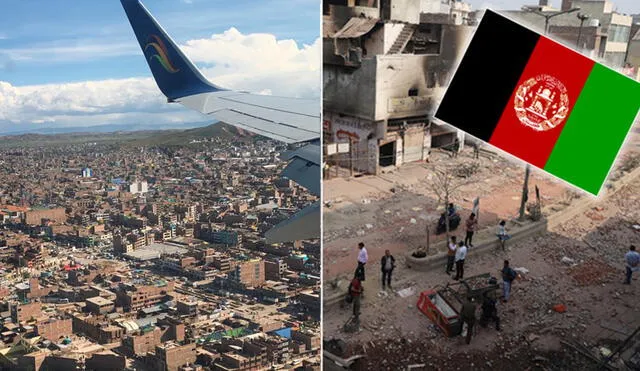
(304, 170)
(289, 120)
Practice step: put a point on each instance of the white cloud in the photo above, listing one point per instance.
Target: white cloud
(83, 50)
(255, 62)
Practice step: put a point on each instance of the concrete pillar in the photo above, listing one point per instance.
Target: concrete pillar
(373, 156)
(426, 144)
(399, 151)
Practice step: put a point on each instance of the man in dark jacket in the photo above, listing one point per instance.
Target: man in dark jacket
(468, 316)
(489, 312)
(387, 264)
(355, 291)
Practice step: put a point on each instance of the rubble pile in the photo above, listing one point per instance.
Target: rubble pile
(592, 272)
(507, 354)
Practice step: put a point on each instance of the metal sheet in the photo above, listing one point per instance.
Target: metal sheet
(332, 149)
(305, 173)
(288, 119)
(343, 147)
(355, 27)
(304, 225)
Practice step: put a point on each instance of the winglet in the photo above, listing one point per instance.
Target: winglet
(174, 73)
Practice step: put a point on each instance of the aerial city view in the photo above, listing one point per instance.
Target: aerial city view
(124, 246)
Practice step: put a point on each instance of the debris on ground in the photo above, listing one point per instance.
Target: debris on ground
(405, 293)
(560, 308)
(567, 260)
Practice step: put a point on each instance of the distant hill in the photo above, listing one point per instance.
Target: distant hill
(182, 137)
(160, 137)
(108, 128)
(37, 140)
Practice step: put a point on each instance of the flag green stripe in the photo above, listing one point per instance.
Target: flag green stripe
(595, 130)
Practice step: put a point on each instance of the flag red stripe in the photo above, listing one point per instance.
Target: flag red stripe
(551, 59)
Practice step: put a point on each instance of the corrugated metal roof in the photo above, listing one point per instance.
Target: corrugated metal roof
(356, 27)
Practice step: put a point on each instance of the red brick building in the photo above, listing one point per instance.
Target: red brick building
(54, 328)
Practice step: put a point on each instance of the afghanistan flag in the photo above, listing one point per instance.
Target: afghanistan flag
(541, 102)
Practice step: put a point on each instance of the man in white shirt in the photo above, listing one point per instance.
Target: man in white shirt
(461, 254)
(363, 257)
(451, 254)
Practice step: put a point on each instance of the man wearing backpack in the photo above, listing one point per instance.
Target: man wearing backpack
(508, 275)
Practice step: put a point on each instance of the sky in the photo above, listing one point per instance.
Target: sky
(77, 63)
(622, 6)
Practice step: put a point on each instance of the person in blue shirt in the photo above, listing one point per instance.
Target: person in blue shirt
(508, 275)
(451, 209)
(632, 258)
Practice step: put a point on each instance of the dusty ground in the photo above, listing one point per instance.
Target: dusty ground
(601, 310)
(366, 209)
(393, 210)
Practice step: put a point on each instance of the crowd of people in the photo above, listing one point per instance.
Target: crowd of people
(456, 255)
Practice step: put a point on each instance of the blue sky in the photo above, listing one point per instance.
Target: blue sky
(46, 45)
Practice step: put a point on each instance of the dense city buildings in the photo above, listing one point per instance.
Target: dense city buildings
(121, 256)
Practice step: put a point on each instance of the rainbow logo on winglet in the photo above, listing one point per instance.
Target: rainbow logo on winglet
(161, 54)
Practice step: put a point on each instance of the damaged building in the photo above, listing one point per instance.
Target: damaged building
(386, 65)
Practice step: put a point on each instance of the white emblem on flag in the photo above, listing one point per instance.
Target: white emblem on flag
(542, 103)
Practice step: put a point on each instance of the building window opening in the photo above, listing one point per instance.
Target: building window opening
(388, 154)
(413, 92)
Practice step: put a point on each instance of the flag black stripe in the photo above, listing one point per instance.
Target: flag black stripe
(487, 75)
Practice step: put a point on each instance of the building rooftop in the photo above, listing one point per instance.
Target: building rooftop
(99, 301)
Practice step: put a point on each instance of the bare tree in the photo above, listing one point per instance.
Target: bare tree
(525, 192)
(445, 185)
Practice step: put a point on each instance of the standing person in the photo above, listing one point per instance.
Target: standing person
(456, 147)
(472, 225)
(476, 150)
(508, 275)
(355, 289)
(387, 263)
(363, 257)
(468, 316)
(632, 257)
(489, 311)
(502, 233)
(451, 254)
(461, 254)
(451, 209)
